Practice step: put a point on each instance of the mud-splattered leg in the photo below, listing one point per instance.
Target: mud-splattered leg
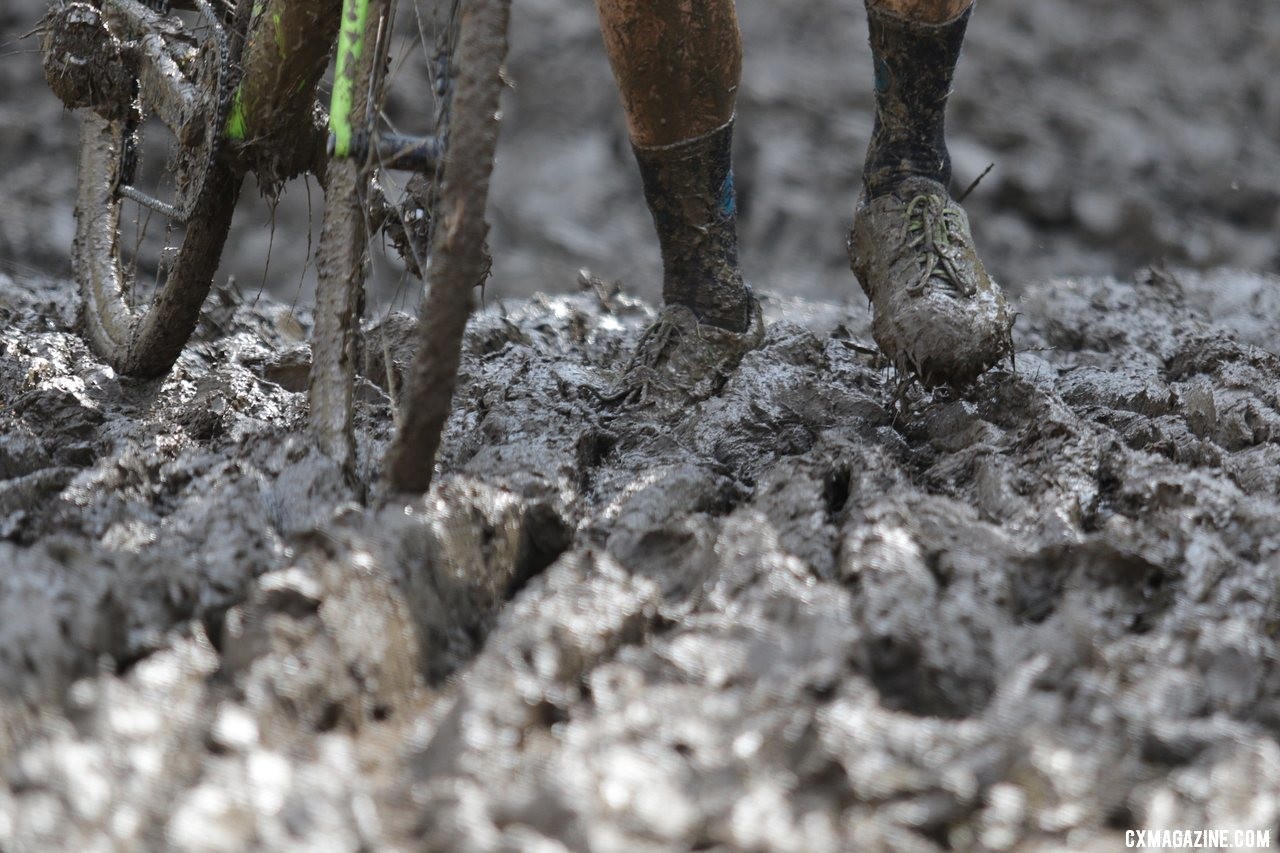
(937, 314)
(678, 64)
(915, 45)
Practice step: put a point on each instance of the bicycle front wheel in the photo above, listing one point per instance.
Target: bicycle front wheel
(459, 260)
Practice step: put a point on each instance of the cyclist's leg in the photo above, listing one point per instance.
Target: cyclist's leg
(678, 66)
(915, 46)
(926, 11)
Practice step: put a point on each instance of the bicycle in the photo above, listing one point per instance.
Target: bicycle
(235, 83)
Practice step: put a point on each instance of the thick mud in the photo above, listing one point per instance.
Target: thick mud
(794, 616)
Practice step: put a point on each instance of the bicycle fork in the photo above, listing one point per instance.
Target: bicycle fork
(341, 260)
(352, 134)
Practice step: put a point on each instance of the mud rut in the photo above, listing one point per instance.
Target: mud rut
(791, 619)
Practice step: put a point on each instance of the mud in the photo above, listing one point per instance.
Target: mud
(789, 617)
(792, 616)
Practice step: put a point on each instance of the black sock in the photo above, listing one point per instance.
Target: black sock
(914, 65)
(689, 188)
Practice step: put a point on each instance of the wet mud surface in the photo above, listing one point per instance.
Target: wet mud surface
(792, 617)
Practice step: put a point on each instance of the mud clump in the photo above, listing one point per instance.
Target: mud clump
(792, 617)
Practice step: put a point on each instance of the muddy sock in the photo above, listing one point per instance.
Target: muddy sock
(689, 188)
(914, 66)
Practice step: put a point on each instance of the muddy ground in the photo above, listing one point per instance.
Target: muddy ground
(791, 618)
(795, 617)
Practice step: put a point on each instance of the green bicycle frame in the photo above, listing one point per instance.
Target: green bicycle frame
(285, 57)
(351, 36)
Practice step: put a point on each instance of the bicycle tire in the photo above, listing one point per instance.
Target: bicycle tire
(466, 121)
(145, 342)
(459, 260)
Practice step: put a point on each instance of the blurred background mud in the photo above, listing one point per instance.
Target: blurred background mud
(1123, 134)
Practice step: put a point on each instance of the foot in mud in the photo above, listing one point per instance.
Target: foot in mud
(689, 189)
(937, 314)
(680, 361)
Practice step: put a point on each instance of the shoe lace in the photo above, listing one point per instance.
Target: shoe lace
(640, 370)
(653, 342)
(937, 231)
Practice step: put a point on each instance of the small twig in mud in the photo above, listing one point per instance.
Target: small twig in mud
(861, 349)
(1158, 275)
(607, 292)
(1013, 350)
(973, 186)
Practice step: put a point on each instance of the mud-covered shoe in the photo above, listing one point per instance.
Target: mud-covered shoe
(936, 312)
(679, 361)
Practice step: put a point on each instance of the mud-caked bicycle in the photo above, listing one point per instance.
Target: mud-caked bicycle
(231, 86)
